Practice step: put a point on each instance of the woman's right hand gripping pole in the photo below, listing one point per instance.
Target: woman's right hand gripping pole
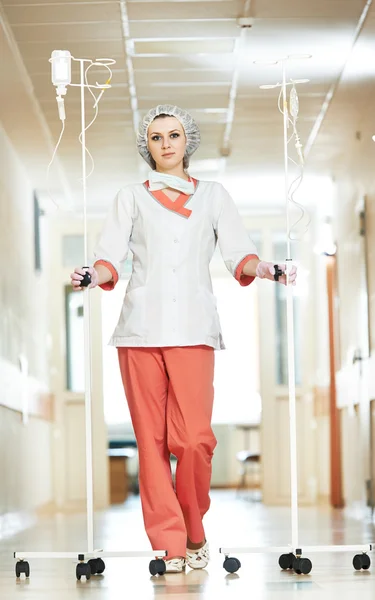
(78, 275)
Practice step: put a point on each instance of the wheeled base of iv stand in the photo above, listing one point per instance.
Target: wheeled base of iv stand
(90, 563)
(292, 559)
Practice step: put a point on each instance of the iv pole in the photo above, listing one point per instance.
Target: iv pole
(292, 553)
(95, 564)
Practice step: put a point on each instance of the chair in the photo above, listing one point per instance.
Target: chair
(250, 470)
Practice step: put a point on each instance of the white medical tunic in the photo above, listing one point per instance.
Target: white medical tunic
(169, 299)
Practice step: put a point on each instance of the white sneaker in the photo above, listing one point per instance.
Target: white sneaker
(175, 565)
(198, 559)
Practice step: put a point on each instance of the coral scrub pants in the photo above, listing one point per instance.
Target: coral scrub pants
(170, 396)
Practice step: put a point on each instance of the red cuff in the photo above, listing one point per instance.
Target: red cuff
(110, 284)
(241, 278)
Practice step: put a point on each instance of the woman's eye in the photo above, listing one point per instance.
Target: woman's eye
(156, 138)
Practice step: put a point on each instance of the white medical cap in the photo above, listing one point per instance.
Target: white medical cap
(191, 129)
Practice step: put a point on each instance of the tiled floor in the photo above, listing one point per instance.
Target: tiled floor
(230, 522)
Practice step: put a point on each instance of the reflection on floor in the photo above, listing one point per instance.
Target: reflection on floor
(230, 522)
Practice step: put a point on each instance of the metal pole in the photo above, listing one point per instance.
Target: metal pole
(87, 338)
(290, 334)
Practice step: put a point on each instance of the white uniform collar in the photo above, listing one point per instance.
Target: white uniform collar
(159, 181)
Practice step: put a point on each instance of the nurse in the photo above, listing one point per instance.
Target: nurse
(169, 326)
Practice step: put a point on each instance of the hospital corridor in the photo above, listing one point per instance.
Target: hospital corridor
(187, 299)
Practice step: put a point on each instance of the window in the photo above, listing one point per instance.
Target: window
(72, 250)
(237, 398)
(115, 405)
(279, 253)
(75, 367)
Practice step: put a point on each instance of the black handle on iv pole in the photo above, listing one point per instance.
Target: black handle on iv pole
(278, 272)
(86, 278)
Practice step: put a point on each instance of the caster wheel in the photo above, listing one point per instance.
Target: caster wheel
(83, 570)
(302, 566)
(286, 561)
(366, 562)
(97, 566)
(361, 561)
(157, 567)
(231, 565)
(100, 567)
(306, 566)
(296, 566)
(93, 564)
(22, 566)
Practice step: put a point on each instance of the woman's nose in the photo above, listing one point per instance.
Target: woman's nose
(165, 143)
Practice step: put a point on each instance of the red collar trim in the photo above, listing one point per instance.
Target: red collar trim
(178, 206)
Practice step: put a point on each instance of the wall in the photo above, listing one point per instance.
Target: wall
(25, 402)
(321, 378)
(24, 448)
(355, 381)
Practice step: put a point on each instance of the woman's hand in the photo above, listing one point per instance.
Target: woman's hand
(266, 270)
(78, 275)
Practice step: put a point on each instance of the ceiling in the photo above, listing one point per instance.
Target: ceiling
(195, 55)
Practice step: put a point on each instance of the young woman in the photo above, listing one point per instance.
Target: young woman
(169, 326)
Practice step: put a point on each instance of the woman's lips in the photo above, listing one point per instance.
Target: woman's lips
(169, 154)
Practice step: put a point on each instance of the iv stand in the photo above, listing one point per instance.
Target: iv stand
(292, 553)
(95, 564)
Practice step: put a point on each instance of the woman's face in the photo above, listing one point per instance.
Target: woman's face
(166, 142)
